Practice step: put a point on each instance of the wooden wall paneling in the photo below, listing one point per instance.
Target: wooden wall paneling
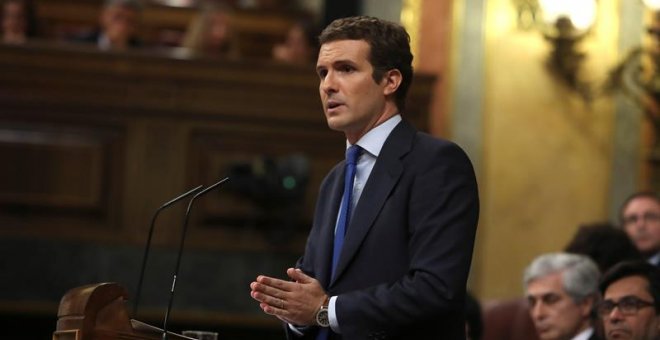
(179, 122)
(60, 176)
(214, 153)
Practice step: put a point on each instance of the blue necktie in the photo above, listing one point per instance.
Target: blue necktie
(352, 156)
(345, 211)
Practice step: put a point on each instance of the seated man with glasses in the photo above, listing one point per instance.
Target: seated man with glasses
(631, 301)
(640, 219)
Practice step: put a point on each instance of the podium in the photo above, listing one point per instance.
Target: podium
(98, 312)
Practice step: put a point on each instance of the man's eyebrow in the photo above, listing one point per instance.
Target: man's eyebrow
(343, 62)
(624, 297)
(541, 295)
(336, 63)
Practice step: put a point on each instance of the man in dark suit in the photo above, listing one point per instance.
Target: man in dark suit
(631, 301)
(562, 292)
(118, 26)
(390, 247)
(640, 219)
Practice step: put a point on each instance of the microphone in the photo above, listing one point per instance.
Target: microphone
(178, 258)
(148, 245)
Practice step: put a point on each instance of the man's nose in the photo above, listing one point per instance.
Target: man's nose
(538, 311)
(329, 84)
(615, 315)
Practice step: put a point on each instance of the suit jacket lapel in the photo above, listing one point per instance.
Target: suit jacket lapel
(329, 220)
(383, 178)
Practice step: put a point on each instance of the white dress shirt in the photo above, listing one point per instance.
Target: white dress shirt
(584, 335)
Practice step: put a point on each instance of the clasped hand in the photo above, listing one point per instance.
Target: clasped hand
(295, 302)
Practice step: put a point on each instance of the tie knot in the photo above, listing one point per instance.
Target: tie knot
(352, 154)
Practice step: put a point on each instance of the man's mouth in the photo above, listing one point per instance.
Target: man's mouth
(544, 329)
(618, 333)
(332, 104)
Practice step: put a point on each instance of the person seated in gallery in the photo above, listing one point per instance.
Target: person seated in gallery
(562, 293)
(604, 243)
(118, 26)
(211, 33)
(640, 219)
(18, 21)
(630, 307)
(300, 46)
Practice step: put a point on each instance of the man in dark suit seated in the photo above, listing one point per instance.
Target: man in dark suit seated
(118, 26)
(391, 242)
(631, 301)
(562, 291)
(640, 219)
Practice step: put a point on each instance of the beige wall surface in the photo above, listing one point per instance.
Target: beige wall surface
(547, 153)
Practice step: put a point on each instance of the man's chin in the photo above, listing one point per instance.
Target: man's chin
(619, 334)
(547, 334)
(335, 124)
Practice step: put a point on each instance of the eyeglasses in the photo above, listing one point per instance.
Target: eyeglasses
(648, 217)
(628, 305)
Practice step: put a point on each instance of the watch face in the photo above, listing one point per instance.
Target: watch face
(322, 318)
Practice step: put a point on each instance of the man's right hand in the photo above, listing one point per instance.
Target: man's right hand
(293, 302)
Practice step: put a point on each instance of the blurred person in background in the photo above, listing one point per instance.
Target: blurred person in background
(640, 219)
(562, 292)
(604, 243)
(118, 26)
(631, 301)
(211, 34)
(300, 46)
(18, 21)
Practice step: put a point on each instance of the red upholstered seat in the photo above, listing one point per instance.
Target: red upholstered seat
(508, 320)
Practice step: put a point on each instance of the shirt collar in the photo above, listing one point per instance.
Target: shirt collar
(374, 140)
(103, 42)
(585, 334)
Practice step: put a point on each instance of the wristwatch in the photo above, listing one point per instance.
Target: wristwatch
(322, 318)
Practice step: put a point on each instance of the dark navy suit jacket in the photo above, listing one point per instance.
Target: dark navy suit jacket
(404, 264)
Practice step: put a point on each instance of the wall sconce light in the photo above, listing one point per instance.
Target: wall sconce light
(652, 4)
(565, 23)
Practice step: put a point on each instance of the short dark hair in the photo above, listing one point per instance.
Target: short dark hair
(635, 268)
(640, 194)
(603, 243)
(389, 44)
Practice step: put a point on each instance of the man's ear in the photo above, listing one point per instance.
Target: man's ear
(391, 80)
